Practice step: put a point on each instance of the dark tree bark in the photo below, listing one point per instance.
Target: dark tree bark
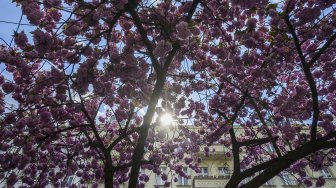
(108, 179)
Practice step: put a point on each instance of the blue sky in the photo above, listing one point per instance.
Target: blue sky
(9, 12)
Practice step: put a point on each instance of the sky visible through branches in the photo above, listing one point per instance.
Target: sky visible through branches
(83, 84)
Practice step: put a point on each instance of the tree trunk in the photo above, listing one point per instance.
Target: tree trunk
(108, 172)
(233, 182)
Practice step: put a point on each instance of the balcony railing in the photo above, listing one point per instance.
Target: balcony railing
(211, 181)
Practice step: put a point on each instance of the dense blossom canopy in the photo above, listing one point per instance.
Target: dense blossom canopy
(81, 93)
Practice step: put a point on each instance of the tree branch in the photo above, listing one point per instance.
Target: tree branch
(309, 77)
(234, 142)
(127, 165)
(257, 168)
(161, 77)
(322, 50)
(269, 133)
(92, 124)
(149, 45)
(285, 161)
(328, 136)
(255, 142)
(121, 137)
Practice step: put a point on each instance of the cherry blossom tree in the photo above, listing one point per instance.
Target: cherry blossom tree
(80, 94)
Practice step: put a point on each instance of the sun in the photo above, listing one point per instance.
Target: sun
(166, 119)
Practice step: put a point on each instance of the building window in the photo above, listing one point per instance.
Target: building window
(326, 173)
(270, 148)
(142, 171)
(183, 180)
(270, 182)
(246, 180)
(68, 181)
(223, 171)
(288, 179)
(203, 171)
(158, 178)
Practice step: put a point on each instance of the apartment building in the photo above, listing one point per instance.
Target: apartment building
(216, 170)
